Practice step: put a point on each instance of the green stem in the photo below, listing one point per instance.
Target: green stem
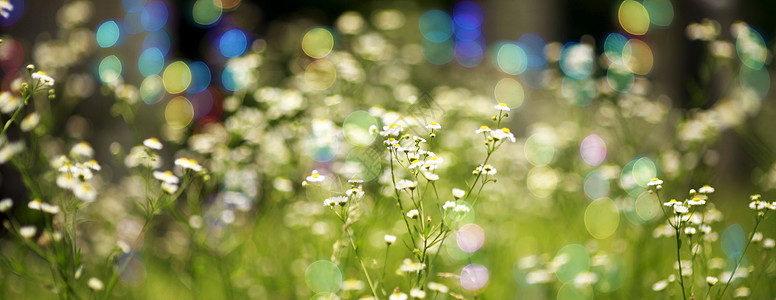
(740, 258)
(679, 261)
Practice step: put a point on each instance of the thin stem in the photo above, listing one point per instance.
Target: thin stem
(740, 258)
(679, 261)
(363, 266)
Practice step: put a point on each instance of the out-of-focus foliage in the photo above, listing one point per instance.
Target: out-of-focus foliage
(393, 154)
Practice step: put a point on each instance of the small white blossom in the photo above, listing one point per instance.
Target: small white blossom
(82, 149)
(660, 285)
(397, 296)
(486, 169)
(654, 182)
(711, 280)
(315, 177)
(502, 107)
(461, 208)
(30, 122)
(417, 293)
(153, 143)
(433, 126)
(410, 266)
(448, 205)
(406, 185)
(413, 214)
(769, 243)
(166, 176)
(188, 163)
(503, 133)
(389, 239)
(85, 191)
(742, 292)
(438, 287)
(482, 129)
(5, 8)
(95, 284)
(393, 130)
(27, 231)
(458, 193)
(169, 188)
(6, 204)
(43, 78)
(706, 189)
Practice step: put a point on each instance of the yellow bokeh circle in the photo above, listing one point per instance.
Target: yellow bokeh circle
(633, 17)
(176, 77)
(318, 42)
(178, 113)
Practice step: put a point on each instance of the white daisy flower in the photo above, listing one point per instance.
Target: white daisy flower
(9, 150)
(188, 163)
(390, 142)
(34, 204)
(95, 284)
(82, 149)
(166, 176)
(5, 8)
(757, 237)
(413, 214)
(433, 126)
(430, 176)
(389, 239)
(711, 280)
(405, 184)
(767, 243)
(458, 193)
(169, 188)
(352, 284)
(706, 189)
(410, 266)
(6, 205)
(502, 107)
(355, 181)
(438, 287)
(397, 296)
(482, 129)
(654, 182)
(92, 165)
(742, 292)
(681, 209)
(689, 230)
(660, 285)
(315, 177)
(30, 122)
(153, 143)
(696, 201)
(461, 208)
(393, 130)
(85, 191)
(448, 205)
(671, 203)
(417, 293)
(356, 192)
(28, 231)
(67, 181)
(503, 133)
(758, 205)
(486, 169)
(43, 78)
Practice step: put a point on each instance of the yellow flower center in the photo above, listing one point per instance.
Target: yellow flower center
(505, 130)
(483, 127)
(502, 104)
(433, 123)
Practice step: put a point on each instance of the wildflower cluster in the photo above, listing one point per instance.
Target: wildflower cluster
(690, 222)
